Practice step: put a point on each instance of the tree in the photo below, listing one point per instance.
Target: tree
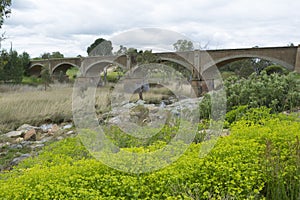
(146, 57)
(4, 10)
(25, 59)
(183, 45)
(72, 73)
(55, 54)
(46, 77)
(4, 58)
(245, 67)
(121, 51)
(132, 53)
(11, 67)
(15, 67)
(100, 47)
(45, 55)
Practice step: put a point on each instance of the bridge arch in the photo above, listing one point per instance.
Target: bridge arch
(226, 60)
(96, 68)
(36, 69)
(185, 64)
(62, 67)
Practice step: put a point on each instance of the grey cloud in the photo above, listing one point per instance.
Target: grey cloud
(23, 4)
(75, 24)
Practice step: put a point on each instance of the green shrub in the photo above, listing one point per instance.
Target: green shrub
(278, 92)
(275, 91)
(113, 77)
(31, 80)
(72, 73)
(276, 69)
(258, 160)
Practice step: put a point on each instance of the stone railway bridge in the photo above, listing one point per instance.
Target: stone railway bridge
(199, 62)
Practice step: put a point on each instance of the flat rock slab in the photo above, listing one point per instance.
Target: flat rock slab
(27, 127)
(15, 134)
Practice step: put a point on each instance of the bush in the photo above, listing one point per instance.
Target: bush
(276, 69)
(72, 73)
(275, 91)
(257, 161)
(278, 92)
(31, 81)
(113, 77)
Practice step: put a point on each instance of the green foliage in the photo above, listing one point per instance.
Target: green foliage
(31, 81)
(227, 74)
(11, 67)
(205, 107)
(55, 54)
(278, 92)
(113, 77)
(46, 77)
(245, 67)
(121, 139)
(275, 91)
(146, 57)
(4, 10)
(276, 69)
(257, 161)
(236, 114)
(183, 45)
(25, 59)
(100, 47)
(121, 51)
(72, 73)
(280, 158)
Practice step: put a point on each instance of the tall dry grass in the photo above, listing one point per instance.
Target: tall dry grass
(33, 105)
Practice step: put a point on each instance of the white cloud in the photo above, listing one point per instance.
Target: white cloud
(70, 26)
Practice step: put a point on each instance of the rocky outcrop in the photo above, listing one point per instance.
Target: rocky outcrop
(140, 113)
(30, 139)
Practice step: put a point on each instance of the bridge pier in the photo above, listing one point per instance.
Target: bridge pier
(297, 63)
(128, 62)
(196, 81)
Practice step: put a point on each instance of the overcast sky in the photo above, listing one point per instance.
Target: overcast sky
(70, 26)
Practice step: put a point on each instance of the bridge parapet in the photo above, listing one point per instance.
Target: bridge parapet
(198, 61)
(297, 63)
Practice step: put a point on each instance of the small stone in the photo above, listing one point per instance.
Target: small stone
(15, 134)
(27, 127)
(60, 138)
(30, 135)
(16, 146)
(46, 139)
(50, 134)
(37, 146)
(68, 126)
(140, 102)
(17, 160)
(70, 132)
(26, 143)
(19, 139)
(45, 127)
(54, 128)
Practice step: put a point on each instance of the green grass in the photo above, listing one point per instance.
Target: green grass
(31, 81)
